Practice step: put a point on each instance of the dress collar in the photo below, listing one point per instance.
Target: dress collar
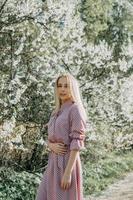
(66, 104)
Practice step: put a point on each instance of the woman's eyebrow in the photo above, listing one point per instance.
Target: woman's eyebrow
(62, 84)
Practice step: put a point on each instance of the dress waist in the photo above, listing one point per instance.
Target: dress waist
(61, 159)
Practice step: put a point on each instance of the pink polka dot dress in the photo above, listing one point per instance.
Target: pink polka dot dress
(66, 126)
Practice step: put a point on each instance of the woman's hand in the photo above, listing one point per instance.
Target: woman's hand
(58, 148)
(66, 181)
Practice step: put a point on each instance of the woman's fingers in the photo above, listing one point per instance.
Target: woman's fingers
(60, 148)
(61, 144)
(61, 152)
(66, 186)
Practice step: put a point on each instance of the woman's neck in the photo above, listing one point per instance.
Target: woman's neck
(66, 100)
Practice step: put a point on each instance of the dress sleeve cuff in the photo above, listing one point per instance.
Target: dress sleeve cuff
(77, 144)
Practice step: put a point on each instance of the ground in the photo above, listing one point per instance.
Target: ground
(120, 190)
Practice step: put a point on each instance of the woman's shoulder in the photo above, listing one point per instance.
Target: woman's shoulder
(52, 113)
(77, 111)
(75, 105)
(75, 108)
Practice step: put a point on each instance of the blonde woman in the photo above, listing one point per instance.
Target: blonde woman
(62, 179)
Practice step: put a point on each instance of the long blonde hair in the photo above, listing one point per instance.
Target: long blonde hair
(75, 93)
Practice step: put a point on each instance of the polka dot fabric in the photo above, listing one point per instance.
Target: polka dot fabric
(66, 126)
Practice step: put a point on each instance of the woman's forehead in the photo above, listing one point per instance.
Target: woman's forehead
(63, 79)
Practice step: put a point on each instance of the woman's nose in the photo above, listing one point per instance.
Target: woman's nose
(62, 88)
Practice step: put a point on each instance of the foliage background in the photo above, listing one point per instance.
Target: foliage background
(93, 40)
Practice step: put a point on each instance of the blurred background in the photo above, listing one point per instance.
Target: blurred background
(40, 39)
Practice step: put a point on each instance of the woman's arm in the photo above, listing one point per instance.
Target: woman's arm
(77, 136)
(71, 161)
(66, 179)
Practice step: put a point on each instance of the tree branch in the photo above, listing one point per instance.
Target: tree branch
(2, 7)
(65, 65)
(22, 19)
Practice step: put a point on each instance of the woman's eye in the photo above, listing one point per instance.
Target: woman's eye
(66, 86)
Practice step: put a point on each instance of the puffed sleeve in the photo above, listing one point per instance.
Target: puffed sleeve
(77, 130)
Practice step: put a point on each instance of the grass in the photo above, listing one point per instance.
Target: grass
(97, 176)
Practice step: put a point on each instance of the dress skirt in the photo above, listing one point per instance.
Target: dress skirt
(50, 186)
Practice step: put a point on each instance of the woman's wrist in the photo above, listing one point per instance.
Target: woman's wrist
(68, 172)
(50, 145)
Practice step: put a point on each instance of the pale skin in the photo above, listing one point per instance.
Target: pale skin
(64, 94)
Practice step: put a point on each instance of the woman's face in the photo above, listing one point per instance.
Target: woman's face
(63, 89)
